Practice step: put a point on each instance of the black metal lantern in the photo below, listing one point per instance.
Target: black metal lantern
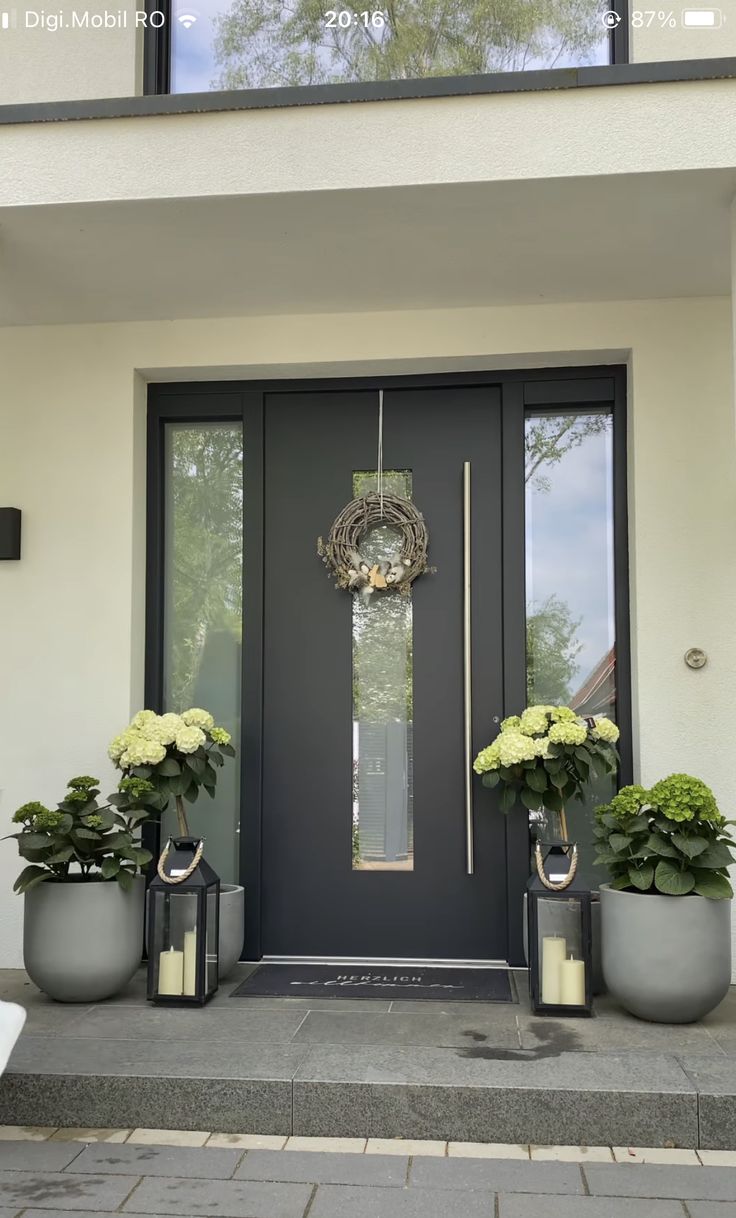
(183, 926)
(560, 940)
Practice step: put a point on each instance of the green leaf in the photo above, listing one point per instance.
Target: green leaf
(110, 868)
(531, 799)
(662, 846)
(716, 856)
(179, 783)
(621, 881)
(691, 847)
(559, 779)
(168, 767)
(192, 792)
(60, 856)
(33, 841)
(125, 879)
(553, 801)
(609, 820)
(29, 877)
(227, 749)
(712, 884)
(507, 799)
(671, 881)
(642, 877)
(491, 778)
(86, 835)
(536, 779)
(195, 764)
(216, 757)
(619, 841)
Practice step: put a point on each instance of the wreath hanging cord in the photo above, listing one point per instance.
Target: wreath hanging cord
(341, 553)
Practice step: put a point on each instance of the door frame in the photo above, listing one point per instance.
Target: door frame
(227, 401)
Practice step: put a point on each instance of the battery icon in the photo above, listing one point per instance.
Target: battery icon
(4, 21)
(701, 18)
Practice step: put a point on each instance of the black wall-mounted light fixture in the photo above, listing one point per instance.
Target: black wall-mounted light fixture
(9, 533)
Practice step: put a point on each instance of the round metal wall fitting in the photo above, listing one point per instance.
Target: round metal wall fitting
(695, 657)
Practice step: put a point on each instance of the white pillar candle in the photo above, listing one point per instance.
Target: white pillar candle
(190, 962)
(572, 983)
(171, 972)
(554, 950)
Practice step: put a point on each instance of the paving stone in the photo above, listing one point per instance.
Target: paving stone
(715, 1080)
(9, 1213)
(573, 1154)
(26, 1133)
(225, 1198)
(164, 1058)
(610, 1035)
(525, 1206)
(655, 1154)
(660, 1180)
(337, 1145)
(168, 1137)
(91, 1135)
(65, 1191)
(418, 1028)
(487, 1150)
(383, 1170)
(499, 1176)
(37, 1156)
(404, 1146)
(717, 1158)
(711, 1209)
(247, 1141)
(237, 1024)
(186, 1162)
(334, 1201)
(261, 1106)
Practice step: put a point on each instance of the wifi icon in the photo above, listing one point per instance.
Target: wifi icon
(187, 20)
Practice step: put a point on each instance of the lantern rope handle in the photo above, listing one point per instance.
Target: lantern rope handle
(556, 885)
(179, 879)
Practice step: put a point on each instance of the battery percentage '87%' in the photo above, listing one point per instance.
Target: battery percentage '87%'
(643, 19)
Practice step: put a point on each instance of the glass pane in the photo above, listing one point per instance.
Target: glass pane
(203, 611)
(560, 951)
(383, 834)
(571, 653)
(253, 44)
(175, 943)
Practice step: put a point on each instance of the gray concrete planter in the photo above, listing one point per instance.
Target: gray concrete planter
(666, 959)
(232, 927)
(82, 939)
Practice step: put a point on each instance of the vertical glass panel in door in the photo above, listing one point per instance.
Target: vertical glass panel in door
(203, 610)
(570, 626)
(383, 831)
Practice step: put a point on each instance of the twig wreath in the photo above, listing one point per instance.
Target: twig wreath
(341, 553)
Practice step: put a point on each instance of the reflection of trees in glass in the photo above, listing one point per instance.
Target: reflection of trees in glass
(551, 647)
(205, 543)
(260, 43)
(382, 629)
(550, 437)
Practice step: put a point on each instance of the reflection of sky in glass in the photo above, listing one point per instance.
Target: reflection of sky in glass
(569, 547)
(193, 66)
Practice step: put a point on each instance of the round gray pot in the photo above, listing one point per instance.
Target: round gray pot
(666, 959)
(82, 939)
(232, 927)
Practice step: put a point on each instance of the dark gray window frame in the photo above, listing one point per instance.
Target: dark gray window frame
(158, 50)
(520, 390)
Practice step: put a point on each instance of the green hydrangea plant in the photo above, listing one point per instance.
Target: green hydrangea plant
(671, 840)
(79, 839)
(546, 756)
(168, 756)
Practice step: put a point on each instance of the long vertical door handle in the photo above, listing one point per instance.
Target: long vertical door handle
(467, 676)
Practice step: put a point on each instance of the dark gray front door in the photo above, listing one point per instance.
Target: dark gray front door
(364, 819)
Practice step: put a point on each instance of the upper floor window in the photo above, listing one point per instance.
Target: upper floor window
(255, 44)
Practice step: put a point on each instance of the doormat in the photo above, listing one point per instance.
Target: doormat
(389, 983)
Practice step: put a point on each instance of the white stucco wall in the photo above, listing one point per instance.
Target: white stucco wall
(71, 419)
